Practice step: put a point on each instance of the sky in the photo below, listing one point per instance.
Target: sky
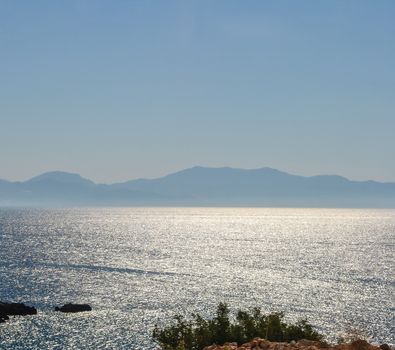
(116, 90)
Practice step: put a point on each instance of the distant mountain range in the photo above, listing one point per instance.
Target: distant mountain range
(201, 186)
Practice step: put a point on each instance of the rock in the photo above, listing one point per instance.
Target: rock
(259, 344)
(385, 347)
(264, 344)
(323, 344)
(20, 309)
(211, 347)
(3, 318)
(360, 344)
(74, 308)
(305, 342)
(254, 343)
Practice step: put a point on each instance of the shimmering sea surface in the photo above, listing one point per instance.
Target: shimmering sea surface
(139, 266)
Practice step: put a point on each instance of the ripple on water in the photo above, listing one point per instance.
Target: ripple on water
(139, 266)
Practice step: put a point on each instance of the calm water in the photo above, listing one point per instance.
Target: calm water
(139, 266)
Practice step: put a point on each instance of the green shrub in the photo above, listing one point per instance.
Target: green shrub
(199, 332)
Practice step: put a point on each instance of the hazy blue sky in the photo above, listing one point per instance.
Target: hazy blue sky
(121, 89)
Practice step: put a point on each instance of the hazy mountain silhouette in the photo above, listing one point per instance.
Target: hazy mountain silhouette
(202, 186)
(60, 177)
(65, 189)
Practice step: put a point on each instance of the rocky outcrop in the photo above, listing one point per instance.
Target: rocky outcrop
(11, 309)
(74, 308)
(262, 344)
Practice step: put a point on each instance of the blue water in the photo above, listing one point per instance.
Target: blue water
(139, 266)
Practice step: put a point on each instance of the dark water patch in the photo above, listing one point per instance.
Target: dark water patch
(86, 267)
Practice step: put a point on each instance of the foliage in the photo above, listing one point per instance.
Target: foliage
(198, 332)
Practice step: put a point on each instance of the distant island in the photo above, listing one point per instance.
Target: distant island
(201, 186)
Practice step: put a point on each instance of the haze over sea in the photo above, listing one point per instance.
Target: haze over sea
(139, 266)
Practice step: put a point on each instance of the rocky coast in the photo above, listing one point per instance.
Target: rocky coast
(262, 344)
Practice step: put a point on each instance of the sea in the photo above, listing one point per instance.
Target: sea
(138, 267)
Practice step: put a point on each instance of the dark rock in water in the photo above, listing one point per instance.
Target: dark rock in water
(9, 309)
(385, 347)
(73, 308)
